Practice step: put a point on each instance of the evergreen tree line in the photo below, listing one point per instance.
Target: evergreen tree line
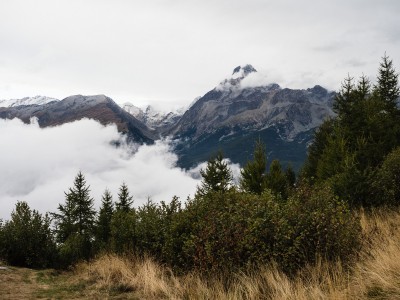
(357, 152)
(268, 217)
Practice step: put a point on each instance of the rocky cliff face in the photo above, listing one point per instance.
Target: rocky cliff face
(231, 111)
(229, 105)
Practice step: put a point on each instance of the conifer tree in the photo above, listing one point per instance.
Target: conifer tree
(276, 180)
(253, 174)
(75, 222)
(348, 150)
(66, 219)
(103, 224)
(84, 210)
(217, 177)
(388, 86)
(344, 102)
(125, 200)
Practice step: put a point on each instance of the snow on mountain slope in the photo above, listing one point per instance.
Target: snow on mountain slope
(37, 100)
(153, 118)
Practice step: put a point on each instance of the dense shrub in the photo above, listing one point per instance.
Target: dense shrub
(149, 235)
(315, 223)
(26, 240)
(387, 182)
(123, 226)
(230, 231)
(74, 249)
(218, 224)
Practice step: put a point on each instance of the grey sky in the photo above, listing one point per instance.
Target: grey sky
(169, 52)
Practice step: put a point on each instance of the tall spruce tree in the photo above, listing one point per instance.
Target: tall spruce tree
(253, 174)
(125, 200)
(217, 177)
(387, 85)
(103, 223)
(75, 222)
(66, 219)
(84, 210)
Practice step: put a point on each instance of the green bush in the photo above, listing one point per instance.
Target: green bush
(231, 231)
(26, 240)
(123, 226)
(74, 249)
(217, 225)
(149, 235)
(314, 222)
(387, 181)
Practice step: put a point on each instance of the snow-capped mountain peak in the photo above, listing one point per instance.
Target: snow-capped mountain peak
(37, 100)
(152, 117)
(234, 81)
(133, 110)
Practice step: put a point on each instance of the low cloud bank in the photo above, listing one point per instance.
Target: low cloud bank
(38, 165)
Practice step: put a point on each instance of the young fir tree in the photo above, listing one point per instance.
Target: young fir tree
(125, 200)
(75, 222)
(217, 177)
(103, 224)
(388, 86)
(66, 219)
(253, 174)
(276, 179)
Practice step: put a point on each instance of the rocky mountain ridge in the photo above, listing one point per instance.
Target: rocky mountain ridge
(230, 117)
(229, 105)
(99, 107)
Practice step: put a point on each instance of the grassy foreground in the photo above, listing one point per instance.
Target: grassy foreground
(375, 275)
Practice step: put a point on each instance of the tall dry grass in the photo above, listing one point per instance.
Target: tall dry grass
(375, 275)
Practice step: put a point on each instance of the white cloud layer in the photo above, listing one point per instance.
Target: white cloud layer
(38, 165)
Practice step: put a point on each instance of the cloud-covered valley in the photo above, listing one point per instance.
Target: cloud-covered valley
(38, 165)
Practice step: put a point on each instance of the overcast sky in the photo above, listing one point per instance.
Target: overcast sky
(169, 52)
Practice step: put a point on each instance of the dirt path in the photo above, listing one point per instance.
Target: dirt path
(19, 283)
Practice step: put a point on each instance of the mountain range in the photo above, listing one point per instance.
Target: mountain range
(230, 117)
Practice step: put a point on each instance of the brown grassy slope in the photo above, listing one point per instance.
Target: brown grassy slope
(376, 274)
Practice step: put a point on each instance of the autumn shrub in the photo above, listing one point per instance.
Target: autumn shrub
(234, 231)
(314, 223)
(387, 181)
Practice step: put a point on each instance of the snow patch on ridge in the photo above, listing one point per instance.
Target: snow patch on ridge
(37, 100)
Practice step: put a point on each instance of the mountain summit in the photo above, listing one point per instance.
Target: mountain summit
(243, 71)
(239, 73)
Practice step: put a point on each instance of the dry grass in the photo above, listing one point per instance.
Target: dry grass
(376, 274)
